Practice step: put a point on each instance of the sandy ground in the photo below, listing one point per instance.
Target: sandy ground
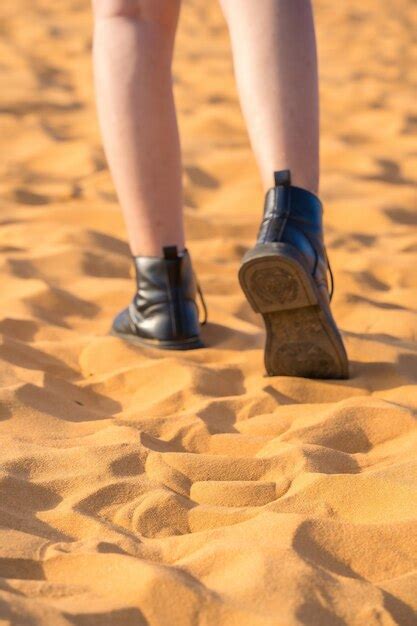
(139, 487)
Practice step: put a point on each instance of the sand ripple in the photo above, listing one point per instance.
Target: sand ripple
(146, 488)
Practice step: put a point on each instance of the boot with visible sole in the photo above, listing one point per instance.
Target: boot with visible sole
(284, 277)
(163, 313)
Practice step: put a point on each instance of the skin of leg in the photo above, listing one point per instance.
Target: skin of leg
(132, 56)
(274, 52)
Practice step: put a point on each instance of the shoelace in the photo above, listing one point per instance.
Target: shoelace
(329, 267)
(203, 302)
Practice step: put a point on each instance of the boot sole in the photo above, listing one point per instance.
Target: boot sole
(185, 344)
(302, 338)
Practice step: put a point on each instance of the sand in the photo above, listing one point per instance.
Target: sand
(141, 487)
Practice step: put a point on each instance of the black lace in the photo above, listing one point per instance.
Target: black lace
(329, 267)
(203, 303)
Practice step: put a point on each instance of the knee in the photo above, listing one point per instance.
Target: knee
(164, 12)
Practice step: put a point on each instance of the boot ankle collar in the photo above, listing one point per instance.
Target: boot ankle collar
(168, 253)
(286, 201)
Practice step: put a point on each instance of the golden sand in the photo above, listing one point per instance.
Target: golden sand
(140, 487)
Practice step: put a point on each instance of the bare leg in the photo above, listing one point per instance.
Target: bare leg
(133, 45)
(274, 51)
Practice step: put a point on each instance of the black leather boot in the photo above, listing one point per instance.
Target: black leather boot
(284, 277)
(163, 312)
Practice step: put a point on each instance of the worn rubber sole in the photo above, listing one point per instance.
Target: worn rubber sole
(302, 338)
(186, 344)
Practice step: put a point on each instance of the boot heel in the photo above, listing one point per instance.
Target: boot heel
(274, 282)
